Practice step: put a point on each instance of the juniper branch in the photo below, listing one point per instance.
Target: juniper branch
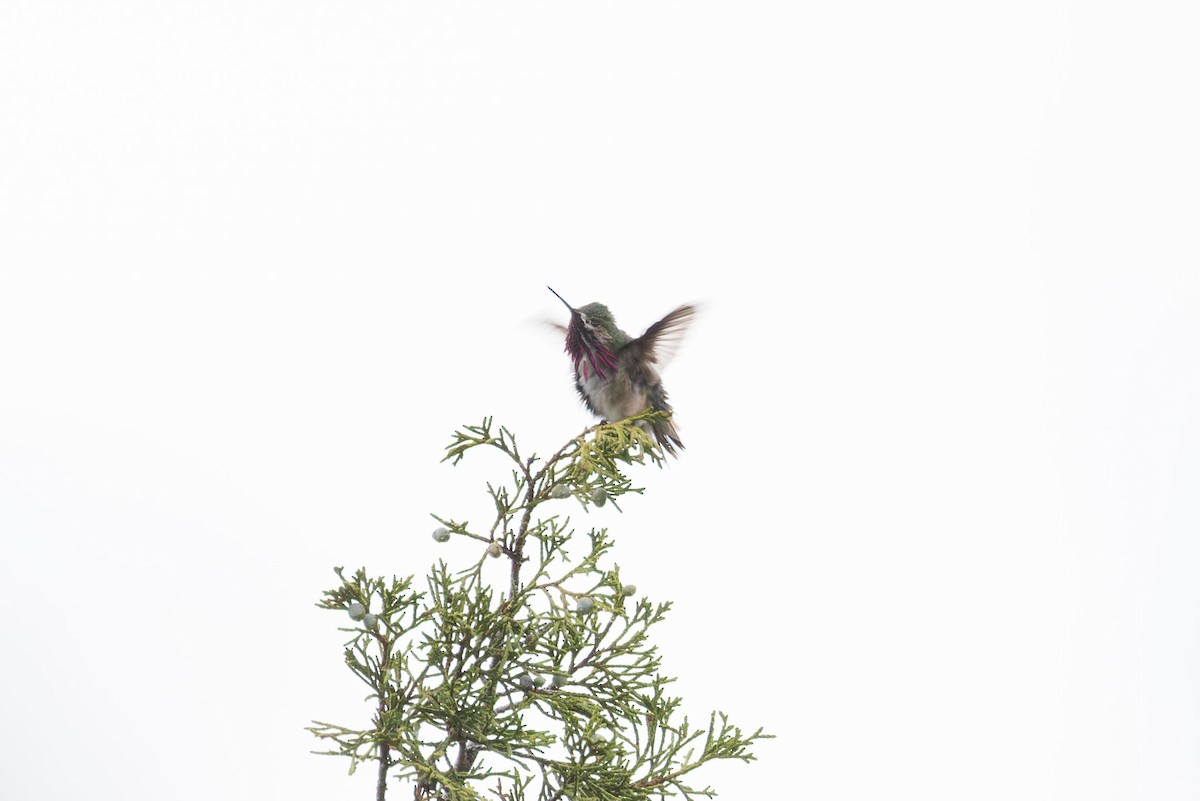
(459, 671)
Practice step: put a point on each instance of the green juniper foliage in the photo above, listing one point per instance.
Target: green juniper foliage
(542, 685)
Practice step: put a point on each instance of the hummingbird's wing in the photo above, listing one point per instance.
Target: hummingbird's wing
(662, 339)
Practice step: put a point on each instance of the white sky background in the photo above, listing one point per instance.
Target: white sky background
(936, 525)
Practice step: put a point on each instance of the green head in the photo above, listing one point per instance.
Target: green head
(599, 320)
(593, 336)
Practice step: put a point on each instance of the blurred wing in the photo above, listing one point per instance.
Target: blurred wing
(661, 340)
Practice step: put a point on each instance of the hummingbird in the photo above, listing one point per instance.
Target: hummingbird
(616, 374)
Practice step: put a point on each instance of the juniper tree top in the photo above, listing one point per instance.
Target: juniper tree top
(527, 671)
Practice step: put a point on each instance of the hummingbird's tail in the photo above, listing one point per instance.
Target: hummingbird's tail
(664, 431)
(663, 428)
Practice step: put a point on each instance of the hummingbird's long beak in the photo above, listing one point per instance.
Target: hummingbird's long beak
(560, 297)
